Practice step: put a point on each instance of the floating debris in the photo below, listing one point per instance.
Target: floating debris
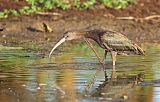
(47, 28)
(24, 85)
(42, 84)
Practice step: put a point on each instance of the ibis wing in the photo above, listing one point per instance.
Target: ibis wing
(116, 41)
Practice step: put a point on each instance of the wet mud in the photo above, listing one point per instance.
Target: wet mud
(29, 30)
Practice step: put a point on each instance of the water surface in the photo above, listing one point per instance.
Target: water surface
(26, 77)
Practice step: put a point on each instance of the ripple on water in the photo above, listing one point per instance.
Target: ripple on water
(40, 79)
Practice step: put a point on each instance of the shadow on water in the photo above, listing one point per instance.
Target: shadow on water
(24, 77)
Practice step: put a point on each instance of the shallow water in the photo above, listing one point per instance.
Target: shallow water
(26, 77)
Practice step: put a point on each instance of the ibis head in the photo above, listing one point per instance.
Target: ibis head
(69, 35)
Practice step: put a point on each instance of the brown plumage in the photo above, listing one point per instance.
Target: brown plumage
(110, 41)
(114, 41)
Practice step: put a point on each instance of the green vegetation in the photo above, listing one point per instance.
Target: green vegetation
(118, 4)
(78, 4)
(43, 5)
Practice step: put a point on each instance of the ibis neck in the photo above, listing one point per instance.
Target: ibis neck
(95, 35)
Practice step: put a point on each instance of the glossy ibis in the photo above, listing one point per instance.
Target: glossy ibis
(111, 41)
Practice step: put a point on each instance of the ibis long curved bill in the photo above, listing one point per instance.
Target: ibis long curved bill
(59, 43)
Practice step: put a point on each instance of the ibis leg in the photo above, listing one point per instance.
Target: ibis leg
(113, 54)
(105, 72)
(100, 61)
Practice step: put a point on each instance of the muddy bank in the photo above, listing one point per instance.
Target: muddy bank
(28, 30)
